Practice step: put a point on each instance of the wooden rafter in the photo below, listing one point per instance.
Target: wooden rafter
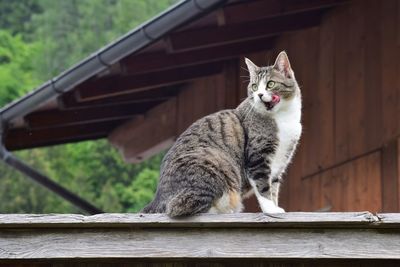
(57, 118)
(22, 138)
(212, 36)
(163, 60)
(70, 101)
(138, 138)
(255, 10)
(124, 84)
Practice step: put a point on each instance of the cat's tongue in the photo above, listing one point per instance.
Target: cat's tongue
(275, 99)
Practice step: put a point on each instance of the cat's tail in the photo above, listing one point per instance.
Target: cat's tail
(188, 202)
(150, 208)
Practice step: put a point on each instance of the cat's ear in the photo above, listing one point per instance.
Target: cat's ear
(253, 68)
(282, 64)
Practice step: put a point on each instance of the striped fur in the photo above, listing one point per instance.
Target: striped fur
(223, 156)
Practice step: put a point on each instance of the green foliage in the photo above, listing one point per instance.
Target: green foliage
(40, 39)
(16, 67)
(71, 30)
(15, 15)
(140, 191)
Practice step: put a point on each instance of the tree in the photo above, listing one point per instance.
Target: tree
(16, 68)
(60, 33)
(16, 15)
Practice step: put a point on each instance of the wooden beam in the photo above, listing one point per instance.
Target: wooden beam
(58, 118)
(70, 101)
(113, 237)
(213, 36)
(360, 220)
(162, 60)
(142, 138)
(123, 84)
(255, 10)
(22, 138)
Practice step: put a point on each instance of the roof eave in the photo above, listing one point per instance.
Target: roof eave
(140, 37)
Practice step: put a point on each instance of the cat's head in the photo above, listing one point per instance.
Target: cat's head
(274, 87)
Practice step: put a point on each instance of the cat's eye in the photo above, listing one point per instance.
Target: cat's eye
(270, 84)
(254, 87)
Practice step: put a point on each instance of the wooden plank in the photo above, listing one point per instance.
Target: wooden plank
(21, 138)
(373, 75)
(207, 236)
(140, 139)
(389, 219)
(202, 91)
(147, 62)
(390, 177)
(311, 199)
(233, 220)
(390, 72)
(342, 103)
(345, 187)
(234, 262)
(357, 81)
(212, 36)
(70, 101)
(324, 100)
(124, 84)
(59, 118)
(232, 84)
(374, 182)
(200, 244)
(398, 175)
(308, 40)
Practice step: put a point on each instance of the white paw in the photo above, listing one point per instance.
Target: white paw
(275, 210)
(267, 206)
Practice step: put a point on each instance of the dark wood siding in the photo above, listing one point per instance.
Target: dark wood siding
(349, 72)
(348, 69)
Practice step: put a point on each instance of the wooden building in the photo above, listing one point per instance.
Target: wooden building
(345, 56)
(143, 90)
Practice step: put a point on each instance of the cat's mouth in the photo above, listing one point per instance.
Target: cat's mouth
(271, 104)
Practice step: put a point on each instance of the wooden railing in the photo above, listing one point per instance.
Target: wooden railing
(253, 236)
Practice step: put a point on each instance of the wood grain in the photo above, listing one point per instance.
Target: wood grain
(207, 236)
(137, 140)
(355, 87)
(351, 186)
(390, 177)
(342, 103)
(237, 220)
(390, 69)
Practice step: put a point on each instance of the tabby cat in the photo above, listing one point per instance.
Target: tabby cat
(228, 155)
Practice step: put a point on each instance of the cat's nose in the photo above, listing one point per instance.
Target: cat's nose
(260, 95)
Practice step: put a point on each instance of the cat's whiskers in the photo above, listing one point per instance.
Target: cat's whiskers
(245, 69)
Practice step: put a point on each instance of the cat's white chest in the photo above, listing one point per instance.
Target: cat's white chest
(289, 131)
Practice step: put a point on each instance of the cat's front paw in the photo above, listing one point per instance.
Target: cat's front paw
(274, 210)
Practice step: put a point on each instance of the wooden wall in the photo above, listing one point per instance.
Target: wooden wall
(349, 73)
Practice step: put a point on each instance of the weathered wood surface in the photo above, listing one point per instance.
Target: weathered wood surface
(116, 220)
(360, 235)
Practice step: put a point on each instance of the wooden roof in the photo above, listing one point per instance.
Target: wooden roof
(148, 77)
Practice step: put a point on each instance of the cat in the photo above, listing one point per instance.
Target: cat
(226, 156)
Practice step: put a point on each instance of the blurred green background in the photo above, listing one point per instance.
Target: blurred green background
(38, 40)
